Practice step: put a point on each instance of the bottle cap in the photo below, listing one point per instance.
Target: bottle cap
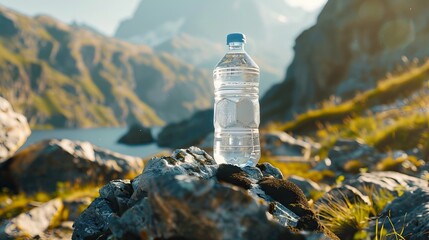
(235, 37)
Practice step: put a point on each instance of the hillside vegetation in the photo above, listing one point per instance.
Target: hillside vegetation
(391, 116)
(64, 76)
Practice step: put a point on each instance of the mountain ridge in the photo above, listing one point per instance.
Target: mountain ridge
(352, 46)
(64, 76)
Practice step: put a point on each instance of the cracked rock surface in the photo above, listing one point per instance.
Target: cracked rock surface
(188, 196)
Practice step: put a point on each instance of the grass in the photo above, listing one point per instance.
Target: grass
(406, 133)
(351, 220)
(344, 218)
(382, 234)
(386, 92)
(403, 125)
(13, 205)
(299, 169)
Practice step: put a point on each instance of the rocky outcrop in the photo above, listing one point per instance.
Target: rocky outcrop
(409, 214)
(14, 130)
(352, 46)
(406, 197)
(32, 223)
(355, 188)
(188, 132)
(186, 196)
(390, 181)
(83, 79)
(137, 135)
(40, 167)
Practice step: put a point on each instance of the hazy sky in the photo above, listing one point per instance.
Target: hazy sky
(104, 15)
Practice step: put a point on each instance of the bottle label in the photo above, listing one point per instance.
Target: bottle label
(240, 112)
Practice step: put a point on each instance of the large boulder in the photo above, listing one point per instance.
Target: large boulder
(14, 130)
(391, 181)
(187, 132)
(32, 223)
(355, 188)
(186, 196)
(354, 44)
(137, 135)
(42, 166)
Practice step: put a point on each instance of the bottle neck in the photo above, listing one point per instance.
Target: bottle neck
(236, 46)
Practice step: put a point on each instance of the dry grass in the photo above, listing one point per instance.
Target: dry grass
(351, 220)
(12, 205)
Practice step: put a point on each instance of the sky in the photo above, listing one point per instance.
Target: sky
(104, 15)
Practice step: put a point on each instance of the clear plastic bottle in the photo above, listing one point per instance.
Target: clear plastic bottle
(236, 110)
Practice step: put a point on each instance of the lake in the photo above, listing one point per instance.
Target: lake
(102, 137)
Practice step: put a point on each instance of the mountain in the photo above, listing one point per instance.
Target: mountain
(352, 46)
(64, 76)
(195, 30)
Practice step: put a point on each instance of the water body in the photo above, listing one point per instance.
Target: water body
(102, 137)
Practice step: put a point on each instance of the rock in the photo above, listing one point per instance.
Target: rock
(186, 195)
(269, 170)
(9, 26)
(236, 215)
(32, 223)
(367, 41)
(40, 167)
(14, 129)
(75, 207)
(391, 181)
(345, 150)
(63, 232)
(282, 144)
(409, 214)
(117, 192)
(207, 143)
(188, 132)
(94, 222)
(137, 135)
(345, 192)
(307, 186)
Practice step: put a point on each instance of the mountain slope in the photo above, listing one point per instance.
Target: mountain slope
(353, 44)
(63, 76)
(195, 30)
(391, 116)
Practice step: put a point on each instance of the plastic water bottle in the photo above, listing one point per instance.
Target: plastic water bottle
(236, 110)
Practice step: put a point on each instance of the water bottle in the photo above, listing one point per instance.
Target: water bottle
(236, 110)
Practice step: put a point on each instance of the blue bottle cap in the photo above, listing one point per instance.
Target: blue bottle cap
(235, 37)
